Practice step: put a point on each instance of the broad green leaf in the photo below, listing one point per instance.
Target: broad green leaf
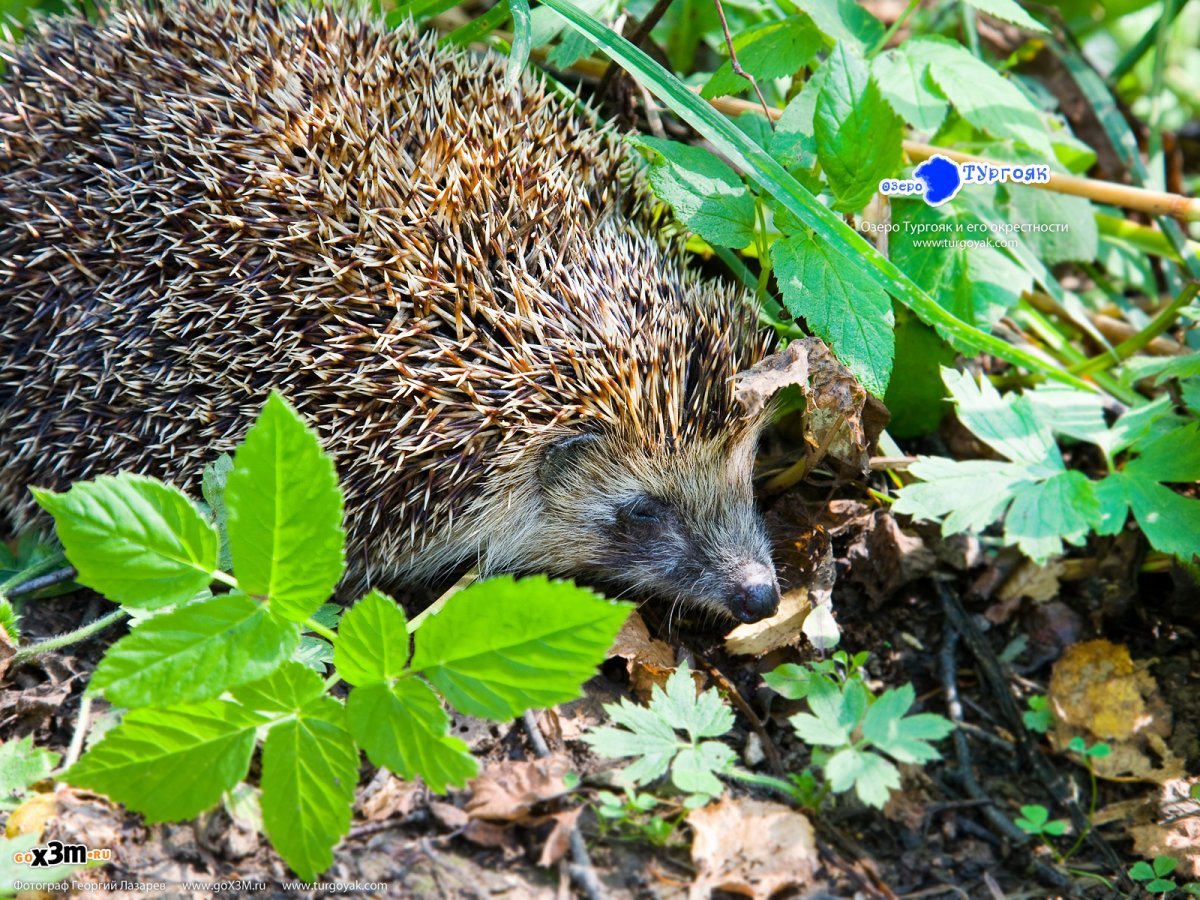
(905, 85)
(1045, 513)
(871, 776)
(1008, 425)
(699, 713)
(285, 514)
(983, 97)
(836, 712)
(705, 194)
(845, 21)
(693, 769)
(21, 764)
(1170, 521)
(1072, 413)
(840, 305)
(1160, 368)
(916, 393)
(791, 680)
(291, 687)
(1171, 457)
(857, 133)
(137, 541)
(945, 250)
(503, 646)
(195, 652)
(787, 192)
(1008, 11)
(372, 640)
(171, 764)
(1033, 207)
(403, 728)
(212, 488)
(770, 50)
(971, 494)
(793, 143)
(309, 772)
(887, 726)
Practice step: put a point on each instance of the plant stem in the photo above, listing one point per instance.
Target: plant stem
(768, 781)
(317, 628)
(1160, 323)
(25, 654)
(894, 27)
(41, 567)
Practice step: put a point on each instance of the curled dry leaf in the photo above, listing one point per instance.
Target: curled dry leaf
(509, 789)
(559, 840)
(647, 660)
(1179, 835)
(840, 419)
(883, 557)
(781, 630)
(754, 848)
(1097, 692)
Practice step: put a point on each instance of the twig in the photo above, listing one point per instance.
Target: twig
(737, 66)
(769, 749)
(11, 586)
(639, 35)
(81, 728)
(25, 654)
(581, 868)
(43, 581)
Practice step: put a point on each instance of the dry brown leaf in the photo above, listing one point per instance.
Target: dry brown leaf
(750, 847)
(1179, 837)
(493, 836)
(1097, 692)
(558, 842)
(393, 797)
(884, 558)
(781, 630)
(449, 815)
(32, 816)
(509, 789)
(647, 660)
(1039, 583)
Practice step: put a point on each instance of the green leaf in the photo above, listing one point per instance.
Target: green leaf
(915, 391)
(793, 143)
(1008, 425)
(694, 768)
(403, 728)
(836, 712)
(845, 21)
(943, 249)
(905, 85)
(285, 514)
(653, 749)
(700, 714)
(857, 133)
(705, 194)
(310, 769)
(137, 541)
(22, 764)
(195, 652)
(290, 688)
(770, 50)
(840, 305)
(503, 646)
(1033, 207)
(212, 488)
(171, 764)
(971, 494)
(315, 653)
(1008, 11)
(871, 776)
(1043, 514)
(983, 97)
(774, 180)
(903, 737)
(372, 640)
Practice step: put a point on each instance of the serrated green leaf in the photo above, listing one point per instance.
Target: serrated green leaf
(1045, 513)
(694, 767)
(1034, 206)
(22, 764)
(1171, 457)
(1171, 522)
(501, 646)
(769, 50)
(793, 143)
(1008, 11)
(840, 305)
(1009, 425)
(905, 85)
(403, 728)
(212, 488)
(845, 21)
(971, 494)
(372, 641)
(704, 193)
(290, 688)
(171, 764)
(982, 96)
(195, 653)
(941, 249)
(903, 737)
(871, 776)
(653, 750)
(314, 653)
(310, 769)
(137, 541)
(285, 514)
(857, 133)
(700, 714)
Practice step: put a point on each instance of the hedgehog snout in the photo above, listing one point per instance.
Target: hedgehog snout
(755, 595)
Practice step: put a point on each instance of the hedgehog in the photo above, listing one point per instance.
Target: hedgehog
(462, 283)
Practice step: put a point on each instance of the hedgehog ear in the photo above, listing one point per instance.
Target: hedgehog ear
(562, 457)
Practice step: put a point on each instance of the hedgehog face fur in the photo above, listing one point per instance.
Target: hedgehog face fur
(463, 287)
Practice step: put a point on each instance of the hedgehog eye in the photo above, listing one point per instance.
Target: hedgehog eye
(645, 511)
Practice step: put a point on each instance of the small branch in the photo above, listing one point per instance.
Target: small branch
(44, 581)
(639, 35)
(581, 868)
(10, 587)
(769, 749)
(81, 729)
(25, 654)
(1165, 319)
(737, 66)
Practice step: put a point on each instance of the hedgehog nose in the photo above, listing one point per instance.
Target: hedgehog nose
(756, 601)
